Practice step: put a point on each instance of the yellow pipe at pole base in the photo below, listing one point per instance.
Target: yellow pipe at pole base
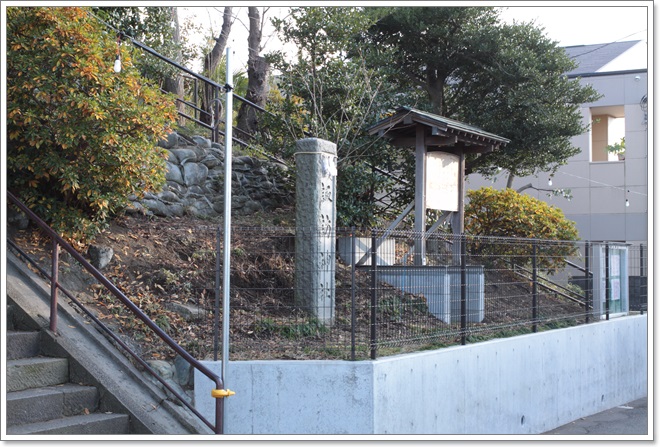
(221, 394)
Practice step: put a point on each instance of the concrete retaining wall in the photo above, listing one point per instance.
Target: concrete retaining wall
(520, 385)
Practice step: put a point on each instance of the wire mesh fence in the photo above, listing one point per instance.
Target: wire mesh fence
(638, 277)
(327, 294)
(444, 289)
(354, 302)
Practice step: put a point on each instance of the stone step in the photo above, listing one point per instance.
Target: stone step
(22, 344)
(87, 424)
(11, 316)
(43, 404)
(36, 372)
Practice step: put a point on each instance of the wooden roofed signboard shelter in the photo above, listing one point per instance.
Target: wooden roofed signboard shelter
(440, 146)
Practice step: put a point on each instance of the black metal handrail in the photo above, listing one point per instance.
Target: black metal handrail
(209, 82)
(191, 72)
(215, 131)
(58, 241)
(553, 287)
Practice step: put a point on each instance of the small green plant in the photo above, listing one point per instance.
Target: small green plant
(163, 322)
(618, 148)
(238, 252)
(391, 308)
(418, 303)
(202, 254)
(576, 289)
(168, 276)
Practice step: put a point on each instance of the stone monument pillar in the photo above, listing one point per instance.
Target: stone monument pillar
(316, 174)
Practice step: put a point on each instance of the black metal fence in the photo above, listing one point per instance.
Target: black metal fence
(301, 294)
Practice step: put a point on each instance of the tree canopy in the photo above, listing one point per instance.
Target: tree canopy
(326, 93)
(428, 48)
(506, 78)
(355, 64)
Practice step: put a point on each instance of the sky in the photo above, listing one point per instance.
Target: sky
(568, 23)
(583, 25)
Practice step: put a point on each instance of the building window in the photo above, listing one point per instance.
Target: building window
(608, 128)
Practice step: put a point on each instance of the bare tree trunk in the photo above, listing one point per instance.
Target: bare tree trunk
(175, 85)
(435, 89)
(509, 180)
(212, 59)
(258, 69)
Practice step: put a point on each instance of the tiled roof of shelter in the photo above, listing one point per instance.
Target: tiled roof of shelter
(442, 131)
(593, 57)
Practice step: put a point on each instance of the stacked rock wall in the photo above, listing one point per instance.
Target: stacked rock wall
(195, 182)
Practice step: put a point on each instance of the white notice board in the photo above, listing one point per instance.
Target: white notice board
(442, 181)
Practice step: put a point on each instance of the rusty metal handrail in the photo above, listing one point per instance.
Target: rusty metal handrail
(218, 393)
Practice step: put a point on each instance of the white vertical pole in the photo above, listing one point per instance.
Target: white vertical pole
(420, 196)
(227, 224)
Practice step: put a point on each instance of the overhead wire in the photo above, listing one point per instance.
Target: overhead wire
(607, 44)
(603, 184)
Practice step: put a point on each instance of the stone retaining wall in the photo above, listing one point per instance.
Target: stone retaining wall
(195, 182)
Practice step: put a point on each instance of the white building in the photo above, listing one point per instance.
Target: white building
(610, 197)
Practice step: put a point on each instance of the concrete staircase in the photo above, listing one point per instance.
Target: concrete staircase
(42, 400)
(75, 381)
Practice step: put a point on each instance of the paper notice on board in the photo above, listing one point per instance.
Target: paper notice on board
(615, 266)
(442, 181)
(615, 286)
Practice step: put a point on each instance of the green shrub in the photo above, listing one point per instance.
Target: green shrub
(507, 213)
(81, 138)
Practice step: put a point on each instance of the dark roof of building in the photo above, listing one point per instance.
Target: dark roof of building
(591, 58)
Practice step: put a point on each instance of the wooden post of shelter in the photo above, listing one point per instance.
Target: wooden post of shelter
(420, 195)
(441, 144)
